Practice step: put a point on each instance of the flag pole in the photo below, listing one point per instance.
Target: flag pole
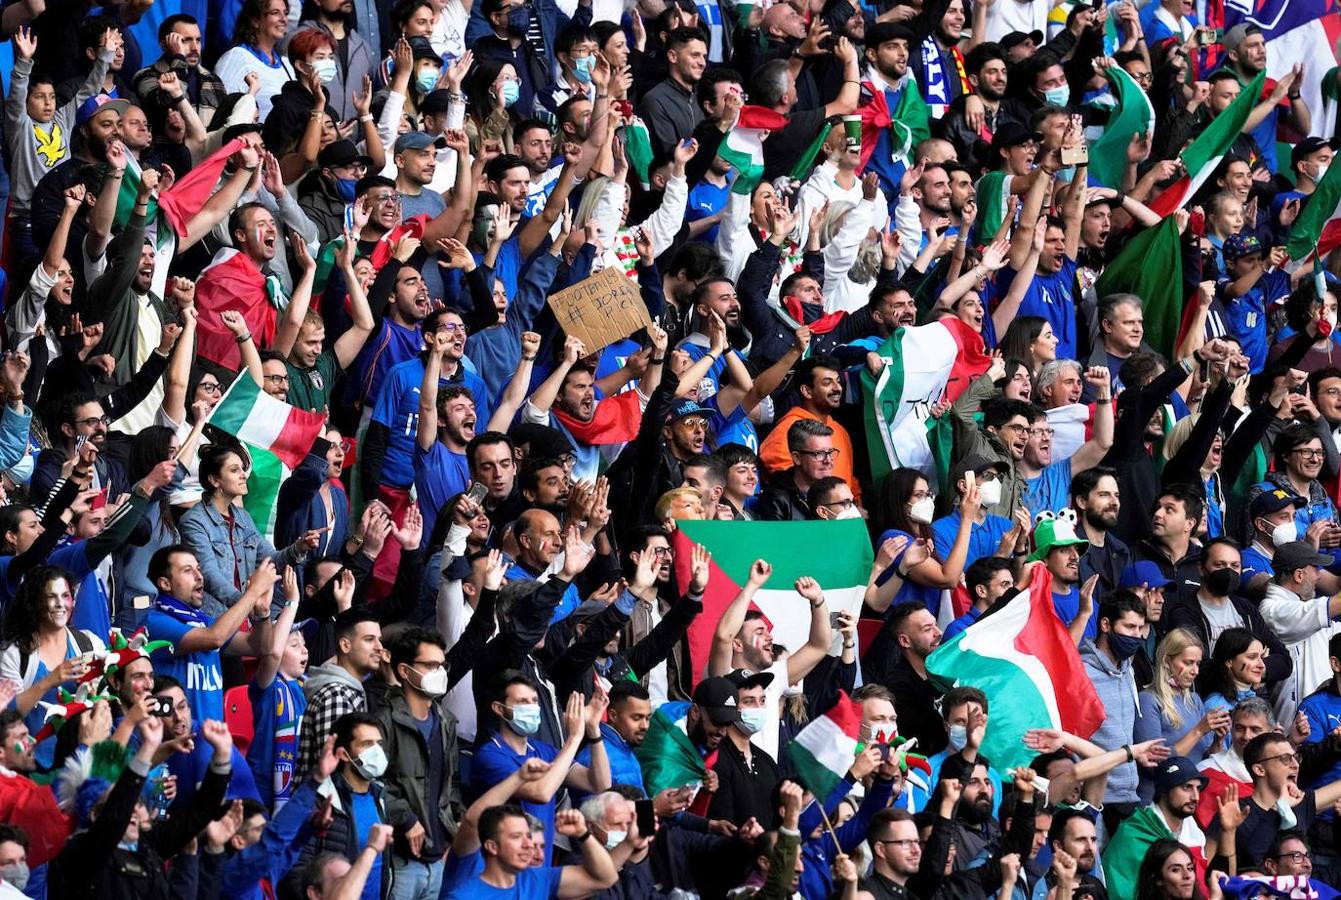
(827, 826)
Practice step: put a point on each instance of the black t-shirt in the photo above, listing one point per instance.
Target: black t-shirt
(1254, 836)
(783, 148)
(745, 790)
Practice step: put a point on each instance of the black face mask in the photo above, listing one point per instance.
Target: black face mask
(1221, 582)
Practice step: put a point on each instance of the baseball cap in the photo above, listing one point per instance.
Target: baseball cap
(1311, 145)
(686, 408)
(340, 153)
(93, 105)
(1015, 38)
(1052, 533)
(1175, 772)
(422, 48)
(413, 140)
(589, 609)
(881, 32)
(1237, 35)
(1239, 245)
(1268, 502)
(744, 679)
(1297, 555)
(717, 698)
(1013, 134)
(1144, 572)
(544, 442)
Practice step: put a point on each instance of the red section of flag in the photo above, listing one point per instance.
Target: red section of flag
(1046, 639)
(972, 360)
(722, 589)
(234, 284)
(386, 244)
(188, 194)
(615, 420)
(33, 808)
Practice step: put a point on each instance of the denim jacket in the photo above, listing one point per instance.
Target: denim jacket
(227, 561)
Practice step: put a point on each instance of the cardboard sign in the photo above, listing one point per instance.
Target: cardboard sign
(600, 310)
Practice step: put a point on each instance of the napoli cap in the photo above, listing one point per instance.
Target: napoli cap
(686, 408)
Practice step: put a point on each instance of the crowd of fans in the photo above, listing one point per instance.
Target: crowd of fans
(441, 661)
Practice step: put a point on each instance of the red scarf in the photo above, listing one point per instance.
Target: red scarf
(615, 420)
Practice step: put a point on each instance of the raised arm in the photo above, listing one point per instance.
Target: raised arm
(301, 300)
(1090, 453)
(268, 662)
(348, 345)
(179, 365)
(543, 398)
(801, 660)
(255, 601)
(733, 618)
(515, 393)
(427, 434)
(1023, 238)
(246, 345)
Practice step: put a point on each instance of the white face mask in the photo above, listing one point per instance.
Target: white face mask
(1322, 170)
(1284, 533)
(371, 763)
(434, 683)
(922, 511)
(989, 492)
(850, 512)
(614, 838)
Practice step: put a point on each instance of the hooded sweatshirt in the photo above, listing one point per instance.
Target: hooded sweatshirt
(1116, 687)
(331, 692)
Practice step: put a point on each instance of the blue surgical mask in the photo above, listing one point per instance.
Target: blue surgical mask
(509, 92)
(958, 735)
(325, 70)
(344, 188)
(426, 80)
(525, 719)
(1124, 646)
(582, 67)
(752, 721)
(614, 838)
(1058, 96)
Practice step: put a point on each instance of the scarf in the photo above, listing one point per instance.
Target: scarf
(933, 82)
(182, 612)
(615, 420)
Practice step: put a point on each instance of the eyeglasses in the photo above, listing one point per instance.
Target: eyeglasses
(1290, 759)
(1308, 453)
(663, 552)
(1042, 432)
(276, 379)
(1023, 429)
(1294, 856)
(1143, 78)
(899, 842)
(211, 387)
(93, 421)
(842, 504)
(431, 664)
(453, 327)
(820, 455)
(924, 495)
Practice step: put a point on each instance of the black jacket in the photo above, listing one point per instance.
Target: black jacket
(782, 501)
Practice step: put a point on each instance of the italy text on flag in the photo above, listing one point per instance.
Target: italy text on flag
(743, 146)
(276, 435)
(1021, 651)
(837, 554)
(923, 366)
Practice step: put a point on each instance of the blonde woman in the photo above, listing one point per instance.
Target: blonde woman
(1170, 707)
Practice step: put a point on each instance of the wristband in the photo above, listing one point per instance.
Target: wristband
(530, 358)
(1131, 757)
(178, 99)
(658, 360)
(847, 646)
(582, 837)
(242, 339)
(365, 118)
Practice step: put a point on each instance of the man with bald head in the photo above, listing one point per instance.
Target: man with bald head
(540, 544)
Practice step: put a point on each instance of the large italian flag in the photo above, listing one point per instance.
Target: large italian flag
(837, 554)
(1319, 223)
(1150, 265)
(923, 366)
(276, 435)
(1023, 653)
(1133, 115)
(1202, 157)
(743, 146)
(824, 750)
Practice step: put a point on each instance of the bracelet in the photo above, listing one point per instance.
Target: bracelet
(178, 99)
(1131, 757)
(242, 339)
(365, 118)
(658, 360)
(530, 358)
(847, 646)
(817, 605)
(1103, 399)
(582, 837)
(356, 541)
(250, 168)
(602, 96)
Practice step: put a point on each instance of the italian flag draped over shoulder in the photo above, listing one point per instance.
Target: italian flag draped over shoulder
(837, 554)
(1150, 266)
(1319, 223)
(923, 366)
(1133, 115)
(743, 146)
(1021, 651)
(667, 757)
(276, 435)
(1202, 157)
(824, 750)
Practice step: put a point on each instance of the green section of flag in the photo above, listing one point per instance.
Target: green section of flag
(840, 550)
(801, 171)
(1133, 115)
(910, 122)
(267, 474)
(668, 758)
(993, 197)
(638, 149)
(1151, 267)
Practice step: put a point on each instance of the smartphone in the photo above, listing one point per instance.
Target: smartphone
(835, 620)
(80, 442)
(162, 707)
(349, 217)
(477, 492)
(646, 818)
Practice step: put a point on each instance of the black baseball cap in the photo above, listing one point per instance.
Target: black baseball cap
(1296, 555)
(1013, 134)
(1015, 38)
(1176, 771)
(340, 153)
(717, 698)
(1272, 501)
(1311, 145)
(744, 679)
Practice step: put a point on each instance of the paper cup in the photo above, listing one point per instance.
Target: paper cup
(852, 129)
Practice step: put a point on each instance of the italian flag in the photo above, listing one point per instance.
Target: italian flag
(743, 146)
(1150, 265)
(823, 752)
(1202, 157)
(1133, 115)
(232, 282)
(993, 198)
(1319, 223)
(923, 366)
(837, 554)
(276, 435)
(1021, 651)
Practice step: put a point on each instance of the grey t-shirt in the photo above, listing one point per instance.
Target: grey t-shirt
(1220, 618)
(426, 203)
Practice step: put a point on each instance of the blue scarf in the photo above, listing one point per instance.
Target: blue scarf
(180, 611)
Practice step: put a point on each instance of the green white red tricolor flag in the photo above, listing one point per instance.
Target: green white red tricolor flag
(822, 752)
(276, 435)
(743, 146)
(1021, 652)
(837, 554)
(1202, 157)
(924, 365)
(1132, 116)
(1319, 224)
